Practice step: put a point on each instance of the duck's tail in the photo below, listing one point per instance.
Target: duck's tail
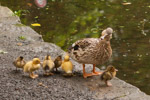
(69, 73)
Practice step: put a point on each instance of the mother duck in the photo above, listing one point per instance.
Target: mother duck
(94, 51)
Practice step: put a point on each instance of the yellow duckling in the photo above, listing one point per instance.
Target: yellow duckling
(67, 66)
(108, 74)
(31, 66)
(19, 62)
(48, 65)
(58, 62)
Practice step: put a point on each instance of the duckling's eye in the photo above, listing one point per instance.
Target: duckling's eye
(76, 47)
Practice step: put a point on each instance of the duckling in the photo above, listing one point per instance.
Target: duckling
(95, 51)
(48, 65)
(58, 62)
(67, 66)
(108, 74)
(31, 66)
(19, 62)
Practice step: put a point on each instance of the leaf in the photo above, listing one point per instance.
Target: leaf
(19, 44)
(121, 26)
(41, 84)
(137, 72)
(22, 38)
(29, 4)
(3, 52)
(126, 3)
(36, 17)
(36, 24)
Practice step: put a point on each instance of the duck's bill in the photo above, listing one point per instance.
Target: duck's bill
(102, 37)
(116, 70)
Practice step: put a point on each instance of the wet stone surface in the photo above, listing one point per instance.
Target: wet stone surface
(18, 86)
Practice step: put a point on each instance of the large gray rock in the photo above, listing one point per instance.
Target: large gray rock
(19, 86)
(5, 12)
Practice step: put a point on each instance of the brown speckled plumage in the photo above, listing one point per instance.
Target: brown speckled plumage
(92, 50)
(19, 62)
(58, 62)
(108, 74)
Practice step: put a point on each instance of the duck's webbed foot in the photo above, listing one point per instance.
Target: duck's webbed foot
(94, 72)
(33, 75)
(108, 83)
(97, 73)
(85, 75)
(48, 73)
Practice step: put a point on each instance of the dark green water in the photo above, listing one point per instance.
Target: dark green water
(65, 21)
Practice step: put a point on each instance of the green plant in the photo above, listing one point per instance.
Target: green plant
(22, 38)
(19, 25)
(19, 13)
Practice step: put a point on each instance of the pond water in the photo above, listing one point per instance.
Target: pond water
(65, 21)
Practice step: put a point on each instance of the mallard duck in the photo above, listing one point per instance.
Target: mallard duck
(94, 51)
(108, 74)
(67, 66)
(31, 66)
(48, 65)
(19, 62)
(58, 62)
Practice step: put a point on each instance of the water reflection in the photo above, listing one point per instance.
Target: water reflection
(63, 22)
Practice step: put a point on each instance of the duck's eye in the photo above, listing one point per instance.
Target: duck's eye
(21, 57)
(76, 47)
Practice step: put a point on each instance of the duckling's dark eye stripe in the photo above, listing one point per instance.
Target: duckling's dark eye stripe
(76, 47)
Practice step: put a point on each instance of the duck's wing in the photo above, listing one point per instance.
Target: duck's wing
(84, 49)
(83, 44)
